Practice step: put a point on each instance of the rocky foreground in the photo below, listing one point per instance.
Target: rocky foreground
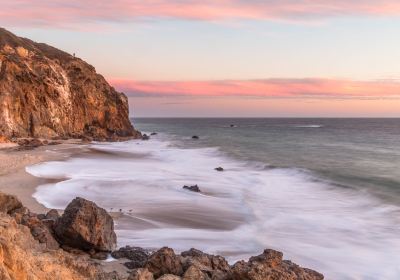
(48, 93)
(50, 246)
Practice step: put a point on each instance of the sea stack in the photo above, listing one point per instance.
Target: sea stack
(48, 93)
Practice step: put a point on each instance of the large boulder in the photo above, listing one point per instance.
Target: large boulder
(9, 203)
(86, 226)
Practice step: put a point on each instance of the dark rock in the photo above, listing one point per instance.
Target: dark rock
(164, 261)
(219, 169)
(153, 133)
(52, 215)
(141, 274)
(99, 255)
(39, 230)
(9, 203)
(194, 188)
(145, 137)
(195, 137)
(135, 254)
(86, 226)
(269, 265)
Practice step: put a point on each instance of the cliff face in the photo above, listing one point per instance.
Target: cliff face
(45, 92)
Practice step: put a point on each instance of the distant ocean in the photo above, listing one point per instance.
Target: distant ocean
(325, 192)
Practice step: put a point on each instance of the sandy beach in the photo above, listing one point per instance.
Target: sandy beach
(15, 180)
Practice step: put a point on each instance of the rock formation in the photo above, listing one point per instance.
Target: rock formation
(46, 93)
(29, 249)
(86, 226)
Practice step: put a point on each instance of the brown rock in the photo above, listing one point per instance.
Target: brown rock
(164, 261)
(9, 203)
(169, 277)
(269, 265)
(141, 274)
(194, 273)
(86, 226)
(47, 93)
(41, 231)
(215, 267)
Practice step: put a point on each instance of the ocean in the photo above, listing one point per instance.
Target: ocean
(325, 192)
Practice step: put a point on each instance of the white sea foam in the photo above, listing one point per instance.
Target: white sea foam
(246, 208)
(309, 126)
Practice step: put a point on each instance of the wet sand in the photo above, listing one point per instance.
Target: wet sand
(15, 180)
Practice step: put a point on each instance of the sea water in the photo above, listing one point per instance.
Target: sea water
(325, 192)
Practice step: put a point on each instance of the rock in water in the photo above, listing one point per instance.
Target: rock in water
(219, 169)
(194, 188)
(86, 226)
(46, 93)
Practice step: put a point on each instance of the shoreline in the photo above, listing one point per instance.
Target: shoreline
(15, 180)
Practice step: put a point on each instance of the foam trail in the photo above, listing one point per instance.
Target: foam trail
(343, 233)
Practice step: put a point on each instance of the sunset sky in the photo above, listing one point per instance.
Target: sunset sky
(244, 58)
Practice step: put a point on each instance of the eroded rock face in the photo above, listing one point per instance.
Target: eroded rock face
(46, 93)
(86, 226)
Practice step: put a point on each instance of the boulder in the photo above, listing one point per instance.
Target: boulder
(194, 188)
(269, 265)
(141, 274)
(214, 266)
(219, 169)
(194, 273)
(52, 215)
(145, 137)
(86, 226)
(195, 137)
(153, 133)
(164, 261)
(9, 203)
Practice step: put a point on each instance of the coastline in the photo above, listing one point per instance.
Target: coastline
(16, 181)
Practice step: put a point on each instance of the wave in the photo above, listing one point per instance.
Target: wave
(310, 126)
(341, 232)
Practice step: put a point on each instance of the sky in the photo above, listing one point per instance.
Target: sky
(230, 58)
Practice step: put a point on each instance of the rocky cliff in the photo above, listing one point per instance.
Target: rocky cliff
(46, 93)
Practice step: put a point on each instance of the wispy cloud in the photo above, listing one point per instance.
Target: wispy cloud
(269, 88)
(60, 13)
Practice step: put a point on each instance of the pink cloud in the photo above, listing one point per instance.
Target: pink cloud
(269, 88)
(76, 12)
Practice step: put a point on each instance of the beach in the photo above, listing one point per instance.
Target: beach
(15, 180)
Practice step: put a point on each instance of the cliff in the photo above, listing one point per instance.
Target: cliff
(47, 93)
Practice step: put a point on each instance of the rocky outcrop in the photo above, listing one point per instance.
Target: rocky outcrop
(29, 250)
(86, 226)
(23, 257)
(46, 93)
